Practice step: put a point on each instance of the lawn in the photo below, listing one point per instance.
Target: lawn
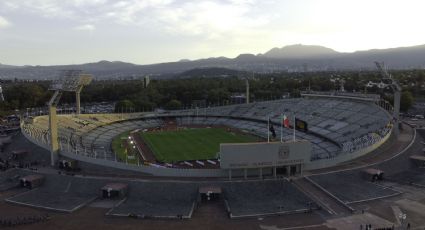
(191, 144)
(118, 149)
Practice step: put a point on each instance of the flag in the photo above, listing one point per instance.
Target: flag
(301, 125)
(271, 129)
(285, 121)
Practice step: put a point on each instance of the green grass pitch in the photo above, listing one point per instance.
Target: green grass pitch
(191, 144)
(119, 150)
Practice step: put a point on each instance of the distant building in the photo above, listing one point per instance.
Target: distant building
(238, 99)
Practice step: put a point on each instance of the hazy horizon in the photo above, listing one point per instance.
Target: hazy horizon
(52, 32)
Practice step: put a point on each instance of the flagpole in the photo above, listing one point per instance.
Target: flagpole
(268, 129)
(281, 129)
(294, 126)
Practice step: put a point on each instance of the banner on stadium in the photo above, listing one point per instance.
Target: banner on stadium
(301, 125)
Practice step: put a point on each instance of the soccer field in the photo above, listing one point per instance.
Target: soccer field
(119, 149)
(191, 144)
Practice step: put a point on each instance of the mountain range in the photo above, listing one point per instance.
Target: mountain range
(293, 58)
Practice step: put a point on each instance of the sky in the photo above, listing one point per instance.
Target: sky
(52, 32)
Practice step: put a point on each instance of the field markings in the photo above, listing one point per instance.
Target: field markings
(190, 144)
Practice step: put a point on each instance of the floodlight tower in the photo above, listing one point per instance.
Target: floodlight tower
(395, 87)
(246, 79)
(71, 81)
(85, 79)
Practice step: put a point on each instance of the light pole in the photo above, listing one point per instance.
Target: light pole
(71, 81)
(397, 94)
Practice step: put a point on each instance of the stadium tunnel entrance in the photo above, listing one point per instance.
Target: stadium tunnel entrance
(289, 170)
(267, 172)
(209, 193)
(114, 191)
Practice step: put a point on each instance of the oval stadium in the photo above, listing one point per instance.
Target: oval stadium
(338, 129)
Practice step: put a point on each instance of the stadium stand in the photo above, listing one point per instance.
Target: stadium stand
(336, 126)
(352, 125)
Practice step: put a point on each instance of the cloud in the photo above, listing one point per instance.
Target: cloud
(231, 25)
(203, 19)
(86, 27)
(207, 18)
(4, 23)
(85, 3)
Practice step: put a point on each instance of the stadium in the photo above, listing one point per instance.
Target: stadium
(339, 129)
(320, 156)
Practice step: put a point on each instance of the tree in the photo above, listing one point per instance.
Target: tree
(173, 104)
(124, 106)
(295, 93)
(25, 95)
(217, 95)
(406, 100)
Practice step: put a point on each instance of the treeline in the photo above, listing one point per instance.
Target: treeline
(180, 93)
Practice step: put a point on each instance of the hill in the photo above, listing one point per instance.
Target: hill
(294, 58)
(300, 51)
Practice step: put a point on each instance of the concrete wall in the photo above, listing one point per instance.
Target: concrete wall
(169, 172)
